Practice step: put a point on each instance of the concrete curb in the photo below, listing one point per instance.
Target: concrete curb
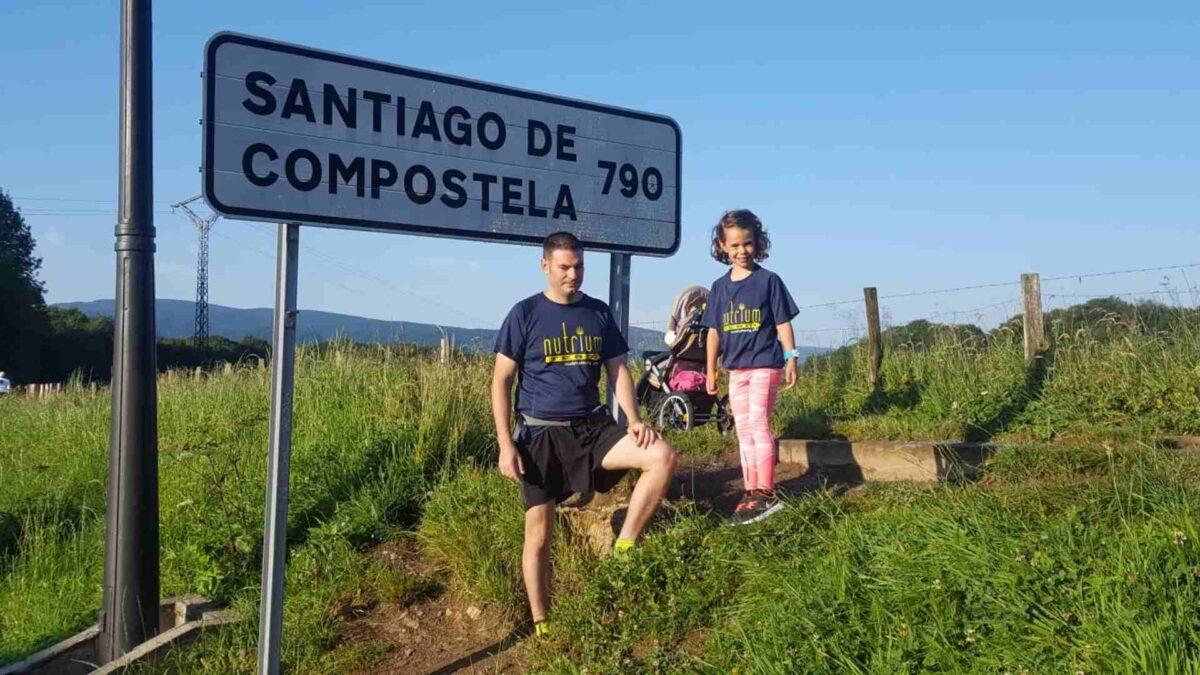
(179, 618)
(1182, 444)
(913, 461)
(888, 461)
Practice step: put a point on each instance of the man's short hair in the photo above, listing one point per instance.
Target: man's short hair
(560, 241)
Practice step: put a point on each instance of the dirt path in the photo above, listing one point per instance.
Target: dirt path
(432, 631)
(441, 634)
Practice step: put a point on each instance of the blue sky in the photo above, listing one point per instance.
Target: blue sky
(909, 146)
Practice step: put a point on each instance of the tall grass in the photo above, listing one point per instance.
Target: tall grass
(1064, 559)
(1140, 382)
(374, 431)
(1089, 565)
(1094, 575)
(474, 527)
(1118, 379)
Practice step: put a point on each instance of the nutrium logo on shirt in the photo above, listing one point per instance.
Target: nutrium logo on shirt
(740, 319)
(577, 348)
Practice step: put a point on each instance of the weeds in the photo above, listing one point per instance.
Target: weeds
(1077, 556)
(374, 432)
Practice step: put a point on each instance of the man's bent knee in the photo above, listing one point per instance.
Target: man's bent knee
(664, 456)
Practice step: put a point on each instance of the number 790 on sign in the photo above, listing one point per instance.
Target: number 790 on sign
(651, 182)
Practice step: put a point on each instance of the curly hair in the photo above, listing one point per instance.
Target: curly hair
(745, 219)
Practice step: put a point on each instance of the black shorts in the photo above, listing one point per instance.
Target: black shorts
(593, 436)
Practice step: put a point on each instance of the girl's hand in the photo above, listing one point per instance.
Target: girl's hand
(711, 383)
(789, 374)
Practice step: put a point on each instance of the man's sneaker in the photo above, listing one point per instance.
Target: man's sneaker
(761, 504)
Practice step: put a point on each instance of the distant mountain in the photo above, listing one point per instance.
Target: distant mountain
(176, 318)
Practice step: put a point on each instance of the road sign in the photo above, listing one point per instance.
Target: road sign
(297, 136)
(293, 134)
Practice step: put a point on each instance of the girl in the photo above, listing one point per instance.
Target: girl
(749, 314)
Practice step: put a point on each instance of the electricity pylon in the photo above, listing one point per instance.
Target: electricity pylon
(203, 225)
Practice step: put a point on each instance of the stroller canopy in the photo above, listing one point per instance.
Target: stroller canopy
(690, 300)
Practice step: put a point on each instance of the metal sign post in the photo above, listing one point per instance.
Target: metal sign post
(618, 302)
(283, 363)
(129, 611)
(294, 134)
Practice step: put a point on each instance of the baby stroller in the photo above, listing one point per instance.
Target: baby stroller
(671, 392)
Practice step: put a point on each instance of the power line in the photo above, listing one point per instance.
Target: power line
(82, 201)
(1135, 271)
(37, 212)
(1001, 284)
(1114, 295)
(271, 256)
(856, 331)
(63, 209)
(350, 269)
(320, 254)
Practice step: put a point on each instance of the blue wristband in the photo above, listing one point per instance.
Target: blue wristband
(792, 354)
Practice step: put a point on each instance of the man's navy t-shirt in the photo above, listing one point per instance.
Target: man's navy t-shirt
(559, 350)
(746, 313)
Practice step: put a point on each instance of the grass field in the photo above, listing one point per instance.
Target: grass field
(1077, 551)
(1065, 560)
(375, 430)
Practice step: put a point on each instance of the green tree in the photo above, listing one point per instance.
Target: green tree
(77, 343)
(22, 318)
(1106, 319)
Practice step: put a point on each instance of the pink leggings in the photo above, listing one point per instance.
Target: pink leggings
(752, 396)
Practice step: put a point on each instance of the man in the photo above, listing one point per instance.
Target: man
(555, 343)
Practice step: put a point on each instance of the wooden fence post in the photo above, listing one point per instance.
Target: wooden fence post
(1031, 303)
(445, 343)
(874, 336)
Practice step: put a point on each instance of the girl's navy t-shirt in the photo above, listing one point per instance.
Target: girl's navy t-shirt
(559, 350)
(746, 313)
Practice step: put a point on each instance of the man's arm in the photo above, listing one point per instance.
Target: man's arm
(503, 375)
(618, 372)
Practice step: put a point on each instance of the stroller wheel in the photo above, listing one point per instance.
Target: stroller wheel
(724, 416)
(675, 413)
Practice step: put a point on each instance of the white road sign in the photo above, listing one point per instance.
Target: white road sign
(293, 134)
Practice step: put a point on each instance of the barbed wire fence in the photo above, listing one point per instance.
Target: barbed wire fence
(828, 325)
